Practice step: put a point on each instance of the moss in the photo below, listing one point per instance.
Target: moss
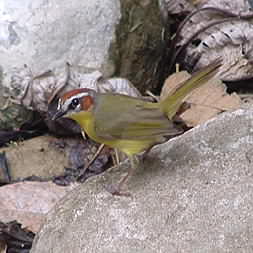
(139, 43)
(13, 116)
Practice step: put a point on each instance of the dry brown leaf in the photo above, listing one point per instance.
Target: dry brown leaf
(172, 83)
(29, 202)
(230, 38)
(206, 101)
(186, 6)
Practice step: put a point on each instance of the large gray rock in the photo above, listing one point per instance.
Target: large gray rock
(193, 194)
(46, 34)
(102, 34)
(112, 36)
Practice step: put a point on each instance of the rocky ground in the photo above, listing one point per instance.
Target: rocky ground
(192, 194)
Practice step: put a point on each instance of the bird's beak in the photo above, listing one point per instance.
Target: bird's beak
(58, 114)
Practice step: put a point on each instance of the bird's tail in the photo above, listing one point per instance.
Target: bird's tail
(172, 103)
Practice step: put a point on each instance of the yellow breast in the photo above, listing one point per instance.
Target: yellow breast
(130, 147)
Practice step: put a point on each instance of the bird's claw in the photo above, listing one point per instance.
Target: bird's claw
(116, 191)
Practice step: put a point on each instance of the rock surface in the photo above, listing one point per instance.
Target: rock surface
(113, 36)
(28, 202)
(192, 194)
(35, 157)
(106, 35)
(46, 34)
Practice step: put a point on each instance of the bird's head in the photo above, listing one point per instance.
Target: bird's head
(73, 102)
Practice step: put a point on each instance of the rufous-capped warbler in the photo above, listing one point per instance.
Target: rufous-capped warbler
(129, 124)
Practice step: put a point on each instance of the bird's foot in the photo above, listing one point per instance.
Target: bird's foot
(117, 191)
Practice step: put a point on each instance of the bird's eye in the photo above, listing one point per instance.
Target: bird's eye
(74, 103)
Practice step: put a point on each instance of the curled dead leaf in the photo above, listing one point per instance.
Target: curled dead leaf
(205, 102)
(173, 82)
(36, 91)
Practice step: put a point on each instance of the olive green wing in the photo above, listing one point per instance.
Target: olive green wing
(122, 117)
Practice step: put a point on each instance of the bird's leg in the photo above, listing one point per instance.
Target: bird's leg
(129, 173)
(115, 157)
(117, 190)
(83, 134)
(100, 148)
(145, 154)
(156, 98)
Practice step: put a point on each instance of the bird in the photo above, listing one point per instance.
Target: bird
(129, 124)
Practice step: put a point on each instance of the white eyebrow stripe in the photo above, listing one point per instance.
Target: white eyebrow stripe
(83, 94)
(59, 104)
(69, 100)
